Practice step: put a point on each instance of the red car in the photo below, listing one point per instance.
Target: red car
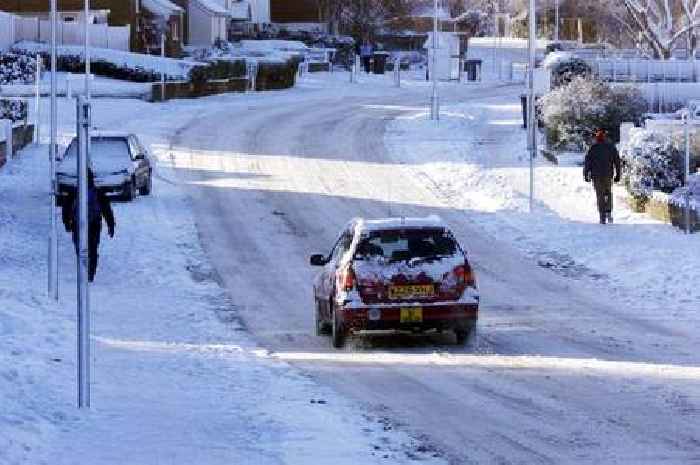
(393, 276)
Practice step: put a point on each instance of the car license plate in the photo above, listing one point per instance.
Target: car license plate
(412, 315)
(411, 291)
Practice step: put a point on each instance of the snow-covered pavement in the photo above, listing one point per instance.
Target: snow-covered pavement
(206, 353)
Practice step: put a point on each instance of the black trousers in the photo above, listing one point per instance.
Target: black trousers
(603, 191)
(94, 233)
(367, 62)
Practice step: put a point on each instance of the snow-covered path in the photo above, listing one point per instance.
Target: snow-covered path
(272, 185)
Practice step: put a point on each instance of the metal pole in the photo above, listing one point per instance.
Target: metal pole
(687, 169)
(87, 50)
(556, 20)
(532, 120)
(37, 109)
(83, 119)
(435, 99)
(162, 72)
(53, 236)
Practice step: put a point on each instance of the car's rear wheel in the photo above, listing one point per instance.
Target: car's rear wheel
(147, 187)
(466, 335)
(338, 331)
(130, 190)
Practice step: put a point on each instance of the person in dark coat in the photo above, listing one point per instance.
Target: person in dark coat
(99, 207)
(602, 166)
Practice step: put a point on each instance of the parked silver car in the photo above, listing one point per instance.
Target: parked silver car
(120, 162)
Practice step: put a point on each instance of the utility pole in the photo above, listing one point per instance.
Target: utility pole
(556, 20)
(83, 342)
(53, 135)
(87, 51)
(435, 98)
(532, 119)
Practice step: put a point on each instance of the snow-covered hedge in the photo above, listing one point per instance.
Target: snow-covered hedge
(564, 67)
(679, 195)
(574, 111)
(15, 110)
(17, 68)
(651, 162)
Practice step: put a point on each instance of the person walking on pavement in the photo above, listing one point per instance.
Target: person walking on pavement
(366, 54)
(602, 166)
(99, 207)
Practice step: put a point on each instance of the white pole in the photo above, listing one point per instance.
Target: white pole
(687, 168)
(435, 99)
(83, 118)
(6, 125)
(53, 237)
(162, 72)
(532, 120)
(37, 109)
(87, 50)
(556, 20)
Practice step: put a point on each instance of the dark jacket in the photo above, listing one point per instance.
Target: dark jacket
(602, 161)
(68, 215)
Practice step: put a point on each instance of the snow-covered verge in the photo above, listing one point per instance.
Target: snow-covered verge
(477, 160)
(176, 378)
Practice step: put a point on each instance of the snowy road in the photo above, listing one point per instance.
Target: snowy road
(559, 376)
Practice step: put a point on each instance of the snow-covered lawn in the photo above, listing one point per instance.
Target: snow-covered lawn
(476, 157)
(176, 378)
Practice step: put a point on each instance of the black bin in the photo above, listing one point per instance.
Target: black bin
(380, 59)
(473, 70)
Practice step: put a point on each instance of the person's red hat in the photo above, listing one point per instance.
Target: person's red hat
(600, 136)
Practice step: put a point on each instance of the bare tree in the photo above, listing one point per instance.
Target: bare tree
(661, 24)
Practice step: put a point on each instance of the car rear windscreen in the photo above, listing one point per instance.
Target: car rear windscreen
(107, 155)
(405, 245)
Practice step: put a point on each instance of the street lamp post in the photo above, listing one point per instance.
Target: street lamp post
(53, 133)
(686, 123)
(556, 20)
(532, 120)
(435, 98)
(87, 51)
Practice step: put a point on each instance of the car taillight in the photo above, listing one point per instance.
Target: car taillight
(346, 279)
(465, 275)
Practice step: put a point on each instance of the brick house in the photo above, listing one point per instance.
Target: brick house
(295, 11)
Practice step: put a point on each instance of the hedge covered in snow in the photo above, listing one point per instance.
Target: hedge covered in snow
(564, 67)
(679, 195)
(17, 68)
(15, 110)
(651, 162)
(575, 110)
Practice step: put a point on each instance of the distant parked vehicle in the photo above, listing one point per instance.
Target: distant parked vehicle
(121, 164)
(397, 275)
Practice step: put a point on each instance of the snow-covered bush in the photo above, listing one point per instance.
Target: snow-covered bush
(14, 110)
(564, 67)
(679, 195)
(17, 68)
(651, 162)
(574, 111)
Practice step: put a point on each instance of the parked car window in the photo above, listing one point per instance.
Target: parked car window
(342, 246)
(407, 245)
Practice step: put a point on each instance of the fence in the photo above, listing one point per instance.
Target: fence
(639, 70)
(664, 97)
(14, 29)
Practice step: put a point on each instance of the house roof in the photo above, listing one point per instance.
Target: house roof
(212, 7)
(161, 7)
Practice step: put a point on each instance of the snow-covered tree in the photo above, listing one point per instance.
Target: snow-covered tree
(650, 162)
(575, 110)
(661, 24)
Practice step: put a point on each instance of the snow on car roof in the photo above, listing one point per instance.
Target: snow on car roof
(432, 221)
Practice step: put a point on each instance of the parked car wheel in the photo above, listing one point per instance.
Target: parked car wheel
(130, 191)
(465, 335)
(147, 188)
(319, 321)
(338, 332)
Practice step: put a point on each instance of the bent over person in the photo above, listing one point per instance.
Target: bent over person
(98, 207)
(602, 166)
